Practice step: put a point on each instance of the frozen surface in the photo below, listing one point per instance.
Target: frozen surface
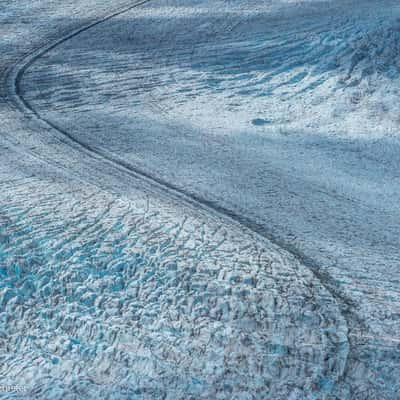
(104, 296)
(122, 292)
(283, 114)
(111, 288)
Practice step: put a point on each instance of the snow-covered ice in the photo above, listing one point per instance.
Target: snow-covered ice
(200, 199)
(113, 298)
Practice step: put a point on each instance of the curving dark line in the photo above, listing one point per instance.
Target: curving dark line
(345, 304)
(46, 48)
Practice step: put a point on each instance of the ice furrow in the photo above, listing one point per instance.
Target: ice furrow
(285, 118)
(112, 296)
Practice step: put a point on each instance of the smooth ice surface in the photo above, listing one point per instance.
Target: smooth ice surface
(283, 114)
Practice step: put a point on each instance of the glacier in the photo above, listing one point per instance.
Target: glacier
(199, 199)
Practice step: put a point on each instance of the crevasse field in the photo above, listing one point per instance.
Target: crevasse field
(200, 199)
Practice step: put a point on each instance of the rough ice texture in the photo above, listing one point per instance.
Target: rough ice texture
(101, 296)
(285, 113)
(123, 293)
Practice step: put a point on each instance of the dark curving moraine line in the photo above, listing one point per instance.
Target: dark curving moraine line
(17, 71)
(15, 97)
